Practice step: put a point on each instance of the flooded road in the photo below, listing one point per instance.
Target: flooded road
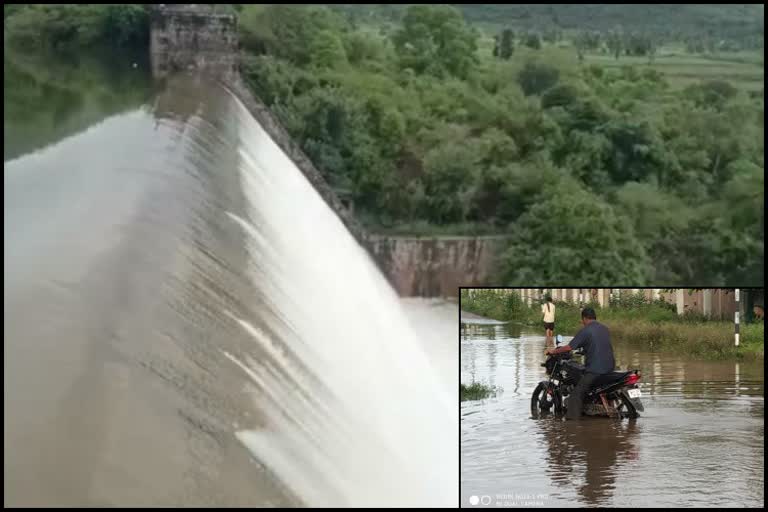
(699, 442)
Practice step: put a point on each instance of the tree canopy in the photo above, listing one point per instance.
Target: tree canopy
(642, 183)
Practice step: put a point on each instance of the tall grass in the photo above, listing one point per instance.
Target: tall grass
(496, 304)
(701, 339)
(477, 391)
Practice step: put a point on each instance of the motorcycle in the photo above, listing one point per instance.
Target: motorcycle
(614, 394)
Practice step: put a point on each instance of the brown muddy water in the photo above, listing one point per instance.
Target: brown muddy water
(187, 323)
(699, 442)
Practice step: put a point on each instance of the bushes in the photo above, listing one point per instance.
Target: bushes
(485, 303)
(449, 177)
(362, 48)
(753, 336)
(477, 391)
(536, 77)
(434, 39)
(126, 25)
(497, 304)
(583, 236)
(276, 80)
(702, 339)
(328, 51)
(711, 94)
(303, 35)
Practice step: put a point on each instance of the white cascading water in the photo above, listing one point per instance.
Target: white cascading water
(187, 323)
(382, 430)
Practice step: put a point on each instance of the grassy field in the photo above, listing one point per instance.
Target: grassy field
(744, 70)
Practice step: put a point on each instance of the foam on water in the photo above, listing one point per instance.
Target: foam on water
(383, 431)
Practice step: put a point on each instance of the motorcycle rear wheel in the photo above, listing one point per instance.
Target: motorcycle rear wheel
(625, 406)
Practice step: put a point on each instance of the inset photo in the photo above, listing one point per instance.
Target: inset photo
(612, 397)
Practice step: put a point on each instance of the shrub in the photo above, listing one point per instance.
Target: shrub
(477, 391)
(72, 26)
(536, 77)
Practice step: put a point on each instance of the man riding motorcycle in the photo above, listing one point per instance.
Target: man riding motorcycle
(595, 340)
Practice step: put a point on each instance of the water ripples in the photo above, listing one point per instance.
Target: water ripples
(702, 429)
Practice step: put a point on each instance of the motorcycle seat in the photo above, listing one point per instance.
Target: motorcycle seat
(610, 378)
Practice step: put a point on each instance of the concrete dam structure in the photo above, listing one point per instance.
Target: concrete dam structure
(202, 38)
(436, 267)
(193, 37)
(188, 322)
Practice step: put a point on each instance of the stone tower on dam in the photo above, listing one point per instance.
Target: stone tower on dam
(200, 37)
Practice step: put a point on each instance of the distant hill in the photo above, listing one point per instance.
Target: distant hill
(720, 20)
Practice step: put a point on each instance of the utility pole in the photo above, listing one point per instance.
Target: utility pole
(736, 318)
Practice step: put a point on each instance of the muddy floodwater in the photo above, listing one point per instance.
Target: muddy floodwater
(699, 442)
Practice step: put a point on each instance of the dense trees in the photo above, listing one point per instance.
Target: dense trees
(572, 232)
(593, 172)
(434, 39)
(720, 27)
(738, 25)
(71, 26)
(532, 40)
(507, 45)
(536, 77)
(304, 35)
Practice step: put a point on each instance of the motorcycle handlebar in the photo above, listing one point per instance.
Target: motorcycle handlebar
(578, 351)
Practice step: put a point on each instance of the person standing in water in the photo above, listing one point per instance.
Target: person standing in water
(548, 311)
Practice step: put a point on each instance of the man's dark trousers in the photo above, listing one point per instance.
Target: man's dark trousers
(576, 398)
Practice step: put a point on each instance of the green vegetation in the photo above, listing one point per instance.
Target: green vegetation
(700, 339)
(743, 70)
(633, 319)
(595, 244)
(498, 305)
(734, 26)
(477, 391)
(76, 26)
(590, 138)
(603, 172)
